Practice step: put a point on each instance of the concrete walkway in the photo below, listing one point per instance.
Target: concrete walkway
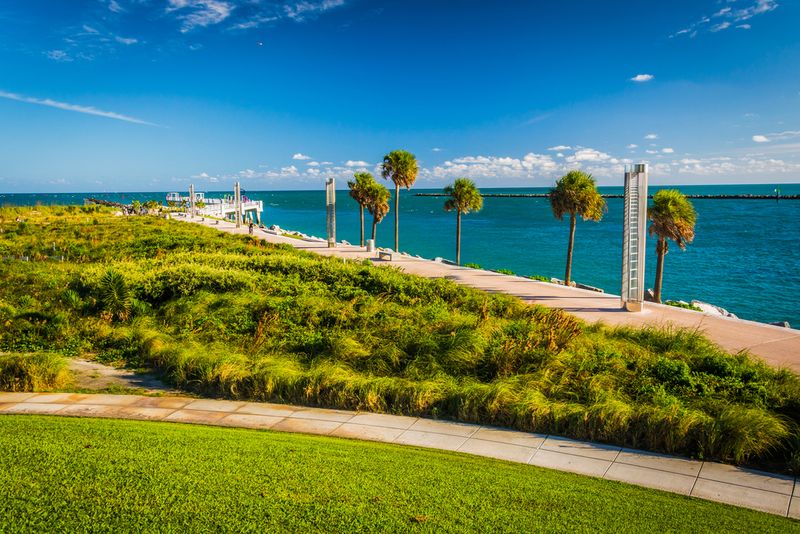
(775, 494)
(778, 346)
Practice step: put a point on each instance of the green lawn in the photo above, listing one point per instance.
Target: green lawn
(75, 475)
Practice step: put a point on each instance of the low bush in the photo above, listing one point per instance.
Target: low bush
(33, 372)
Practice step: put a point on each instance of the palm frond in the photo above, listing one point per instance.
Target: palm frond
(464, 196)
(401, 167)
(575, 193)
(672, 217)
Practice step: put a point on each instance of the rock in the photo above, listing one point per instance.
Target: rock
(713, 310)
(561, 282)
(649, 295)
(589, 288)
(784, 324)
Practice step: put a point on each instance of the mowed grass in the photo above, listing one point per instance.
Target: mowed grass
(78, 475)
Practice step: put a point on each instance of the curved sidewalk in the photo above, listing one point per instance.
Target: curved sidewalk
(778, 346)
(775, 494)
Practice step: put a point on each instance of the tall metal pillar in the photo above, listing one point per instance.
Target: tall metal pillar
(237, 193)
(191, 201)
(330, 204)
(634, 237)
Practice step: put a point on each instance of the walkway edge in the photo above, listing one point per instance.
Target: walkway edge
(767, 492)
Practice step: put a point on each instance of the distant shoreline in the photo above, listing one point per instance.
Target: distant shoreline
(698, 197)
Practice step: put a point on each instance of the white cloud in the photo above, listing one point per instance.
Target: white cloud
(588, 154)
(530, 165)
(641, 78)
(559, 147)
(303, 10)
(205, 176)
(651, 136)
(759, 7)
(89, 29)
(255, 22)
(632, 146)
(114, 6)
(301, 157)
(535, 168)
(200, 13)
(89, 110)
(313, 163)
(651, 151)
(776, 136)
(351, 163)
(125, 40)
(436, 149)
(727, 17)
(58, 55)
(667, 150)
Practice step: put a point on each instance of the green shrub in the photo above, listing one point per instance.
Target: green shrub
(33, 372)
(683, 305)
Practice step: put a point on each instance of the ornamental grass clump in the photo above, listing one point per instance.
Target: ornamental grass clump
(39, 371)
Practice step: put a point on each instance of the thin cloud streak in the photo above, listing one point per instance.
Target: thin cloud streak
(88, 110)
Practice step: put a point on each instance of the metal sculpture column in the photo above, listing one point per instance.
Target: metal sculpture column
(237, 204)
(330, 204)
(634, 227)
(191, 201)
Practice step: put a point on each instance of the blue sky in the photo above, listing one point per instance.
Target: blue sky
(124, 95)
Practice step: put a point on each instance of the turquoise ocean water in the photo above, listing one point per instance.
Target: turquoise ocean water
(745, 256)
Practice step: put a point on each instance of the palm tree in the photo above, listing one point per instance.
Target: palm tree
(401, 167)
(377, 203)
(576, 194)
(358, 192)
(464, 198)
(673, 217)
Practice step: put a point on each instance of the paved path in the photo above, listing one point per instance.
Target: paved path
(92, 375)
(775, 494)
(776, 345)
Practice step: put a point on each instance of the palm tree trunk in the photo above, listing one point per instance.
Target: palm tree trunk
(397, 217)
(374, 228)
(458, 238)
(661, 251)
(571, 243)
(361, 216)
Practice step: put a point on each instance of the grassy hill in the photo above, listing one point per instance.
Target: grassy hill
(236, 317)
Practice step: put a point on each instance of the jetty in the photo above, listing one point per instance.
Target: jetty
(698, 197)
